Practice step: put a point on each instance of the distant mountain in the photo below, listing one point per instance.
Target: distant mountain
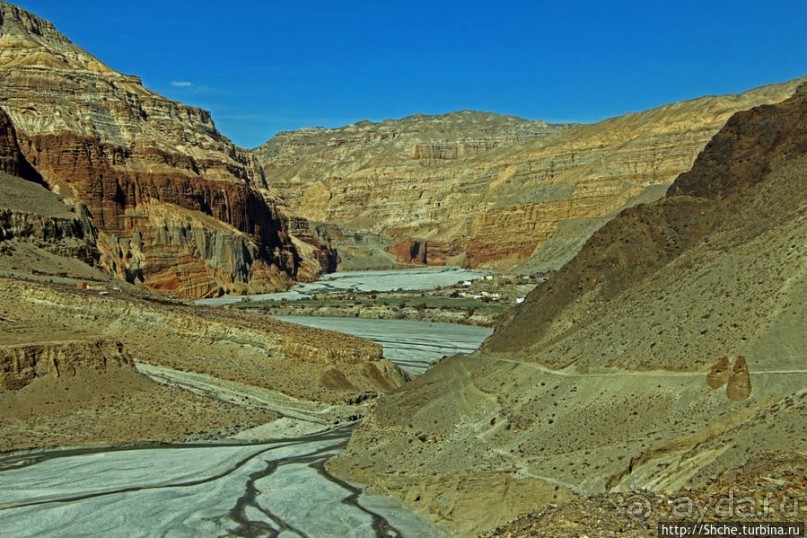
(484, 190)
(669, 351)
(177, 205)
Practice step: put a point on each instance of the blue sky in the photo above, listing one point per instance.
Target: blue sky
(267, 66)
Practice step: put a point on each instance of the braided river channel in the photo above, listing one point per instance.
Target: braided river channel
(229, 488)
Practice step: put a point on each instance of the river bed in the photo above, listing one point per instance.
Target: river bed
(274, 488)
(425, 278)
(270, 489)
(413, 345)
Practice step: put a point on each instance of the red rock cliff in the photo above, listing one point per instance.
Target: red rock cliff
(179, 207)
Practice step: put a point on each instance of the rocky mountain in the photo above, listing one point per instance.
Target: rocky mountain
(668, 352)
(483, 190)
(176, 204)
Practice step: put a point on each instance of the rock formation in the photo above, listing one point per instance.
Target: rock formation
(29, 212)
(596, 383)
(718, 374)
(484, 190)
(424, 252)
(133, 157)
(739, 383)
(21, 364)
(11, 160)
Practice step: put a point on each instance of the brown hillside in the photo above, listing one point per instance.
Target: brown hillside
(486, 190)
(611, 377)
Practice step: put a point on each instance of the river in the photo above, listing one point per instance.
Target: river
(268, 489)
(413, 345)
(421, 278)
(276, 488)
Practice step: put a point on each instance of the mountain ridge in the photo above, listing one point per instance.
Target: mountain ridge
(496, 192)
(667, 352)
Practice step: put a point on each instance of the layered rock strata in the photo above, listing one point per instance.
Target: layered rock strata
(29, 212)
(484, 190)
(597, 382)
(132, 156)
(20, 365)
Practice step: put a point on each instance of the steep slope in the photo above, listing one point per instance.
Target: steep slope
(179, 207)
(34, 222)
(746, 185)
(486, 190)
(611, 375)
(12, 161)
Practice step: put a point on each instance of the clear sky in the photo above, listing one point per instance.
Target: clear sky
(267, 66)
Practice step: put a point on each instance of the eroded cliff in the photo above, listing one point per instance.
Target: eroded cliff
(483, 190)
(99, 137)
(32, 214)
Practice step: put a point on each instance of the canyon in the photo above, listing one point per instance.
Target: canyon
(484, 190)
(659, 350)
(667, 352)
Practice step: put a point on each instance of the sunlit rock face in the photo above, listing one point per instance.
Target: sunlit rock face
(29, 212)
(134, 158)
(485, 190)
(667, 352)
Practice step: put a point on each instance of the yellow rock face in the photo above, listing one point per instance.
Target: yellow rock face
(499, 190)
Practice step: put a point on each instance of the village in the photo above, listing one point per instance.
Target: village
(483, 302)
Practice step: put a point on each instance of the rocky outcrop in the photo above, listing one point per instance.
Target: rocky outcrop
(425, 252)
(718, 374)
(100, 137)
(317, 243)
(70, 236)
(10, 156)
(21, 364)
(736, 378)
(12, 161)
(494, 191)
(85, 391)
(29, 212)
(739, 383)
